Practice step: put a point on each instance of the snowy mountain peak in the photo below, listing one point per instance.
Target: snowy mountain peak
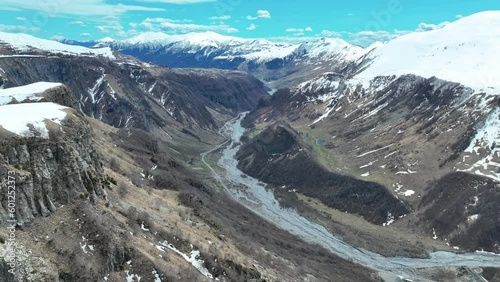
(222, 47)
(148, 37)
(211, 36)
(160, 39)
(465, 51)
(331, 47)
(106, 40)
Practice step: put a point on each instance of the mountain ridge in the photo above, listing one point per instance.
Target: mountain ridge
(424, 53)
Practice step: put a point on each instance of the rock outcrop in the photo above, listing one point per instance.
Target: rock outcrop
(49, 172)
(49, 165)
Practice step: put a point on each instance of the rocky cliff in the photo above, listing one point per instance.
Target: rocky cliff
(47, 160)
(128, 93)
(50, 172)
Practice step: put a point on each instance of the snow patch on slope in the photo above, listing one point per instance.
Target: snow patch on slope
(193, 258)
(486, 144)
(24, 42)
(28, 120)
(25, 92)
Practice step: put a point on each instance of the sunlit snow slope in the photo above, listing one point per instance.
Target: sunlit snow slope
(24, 42)
(26, 92)
(30, 119)
(466, 51)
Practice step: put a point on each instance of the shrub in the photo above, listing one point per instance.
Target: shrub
(114, 165)
(55, 133)
(23, 141)
(123, 189)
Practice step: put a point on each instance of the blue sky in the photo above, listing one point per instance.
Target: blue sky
(358, 21)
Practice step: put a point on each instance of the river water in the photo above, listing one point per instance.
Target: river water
(251, 193)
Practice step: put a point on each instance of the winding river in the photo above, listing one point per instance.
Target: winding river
(251, 193)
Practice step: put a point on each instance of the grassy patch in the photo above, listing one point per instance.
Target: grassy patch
(317, 141)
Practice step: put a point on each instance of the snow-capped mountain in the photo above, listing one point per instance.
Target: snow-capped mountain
(420, 115)
(442, 82)
(16, 42)
(229, 47)
(280, 64)
(459, 65)
(466, 51)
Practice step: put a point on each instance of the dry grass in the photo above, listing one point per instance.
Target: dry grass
(391, 241)
(164, 210)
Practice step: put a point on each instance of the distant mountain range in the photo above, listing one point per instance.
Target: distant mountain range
(279, 64)
(426, 54)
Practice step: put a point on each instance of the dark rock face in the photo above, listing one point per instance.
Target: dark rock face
(49, 171)
(166, 57)
(235, 91)
(276, 156)
(465, 209)
(130, 95)
(60, 95)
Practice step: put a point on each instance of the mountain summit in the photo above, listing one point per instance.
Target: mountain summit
(465, 51)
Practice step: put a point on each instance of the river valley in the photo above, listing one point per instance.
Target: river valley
(253, 194)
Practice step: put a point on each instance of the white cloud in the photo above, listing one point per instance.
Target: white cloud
(85, 34)
(293, 39)
(58, 37)
(427, 27)
(73, 7)
(252, 27)
(261, 14)
(18, 28)
(299, 31)
(111, 25)
(76, 23)
(190, 27)
(21, 19)
(147, 25)
(182, 26)
(180, 2)
(220, 18)
(329, 33)
(367, 37)
(9, 8)
(459, 16)
(293, 29)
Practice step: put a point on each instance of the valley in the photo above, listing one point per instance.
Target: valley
(202, 156)
(253, 194)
